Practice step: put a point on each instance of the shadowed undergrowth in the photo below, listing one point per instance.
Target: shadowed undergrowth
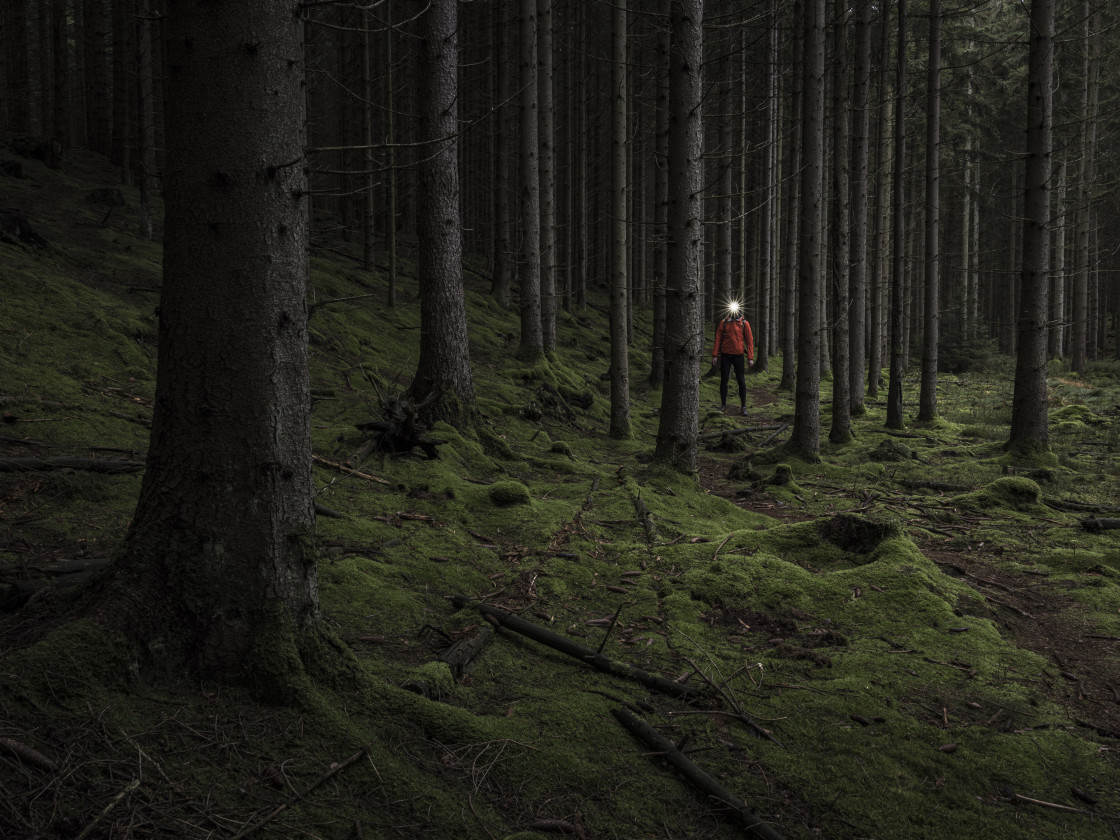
(888, 643)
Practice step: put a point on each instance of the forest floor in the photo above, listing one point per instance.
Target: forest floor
(916, 637)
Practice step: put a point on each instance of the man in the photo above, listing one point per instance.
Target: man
(734, 340)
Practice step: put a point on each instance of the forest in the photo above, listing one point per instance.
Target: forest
(368, 468)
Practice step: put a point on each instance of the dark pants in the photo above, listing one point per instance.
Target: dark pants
(726, 362)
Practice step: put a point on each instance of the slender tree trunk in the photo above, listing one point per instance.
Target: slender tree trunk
(1029, 421)
(17, 77)
(857, 280)
(60, 71)
(529, 269)
(879, 264)
(805, 438)
(547, 144)
(793, 201)
(369, 230)
(146, 150)
(1058, 275)
(660, 197)
(840, 256)
(620, 365)
(898, 274)
(927, 400)
(771, 156)
(680, 397)
(391, 191)
(1090, 67)
(502, 86)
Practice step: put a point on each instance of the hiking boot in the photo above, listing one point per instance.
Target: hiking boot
(743, 411)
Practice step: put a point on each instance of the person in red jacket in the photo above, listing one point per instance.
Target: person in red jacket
(734, 341)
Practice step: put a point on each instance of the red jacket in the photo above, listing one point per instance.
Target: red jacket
(734, 337)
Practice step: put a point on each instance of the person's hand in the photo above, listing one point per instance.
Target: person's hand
(750, 363)
(715, 360)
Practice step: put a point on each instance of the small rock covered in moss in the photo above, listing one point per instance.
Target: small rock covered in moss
(505, 493)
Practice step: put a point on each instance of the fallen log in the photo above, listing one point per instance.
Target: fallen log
(742, 430)
(650, 736)
(1098, 523)
(579, 651)
(459, 655)
(66, 462)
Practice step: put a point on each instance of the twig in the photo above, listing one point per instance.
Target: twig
(610, 627)
(1019, 798)
(333, 770)
(349, 471)
(28, 754)
(721, 545)
(694, 774)
(131, 786)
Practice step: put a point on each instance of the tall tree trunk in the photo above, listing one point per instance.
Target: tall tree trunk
(391, 191)
(1089, 106)
(60, 71)
(369, 218)
(898, 273)
(680, 397)
(857, 280)
(47, 128)
(1058, 274)
(121, 152)
(529, 269)
(771, 156)
(879, 226)
(217, 572)
(792, 233)
(1029, 422)
(620, 365)
(17, 75)
(660, 196)
(805, 438)
(840, 247)
(444, 366)
(547, 145)
(502, 84)
(146, 148)
(927, 399)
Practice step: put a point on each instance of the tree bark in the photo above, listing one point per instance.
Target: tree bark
(927, 398)
(529, 270)
(660, 197)
(444, 366)
(680, 396)
(792, 202)
(857, 279)
(898, 272)
(546, 131)
(840, 250)
(620, 364)
(217, 572)
(804, 439)
(1029, 420)
(1089, 107)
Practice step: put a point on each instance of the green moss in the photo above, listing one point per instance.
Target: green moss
(509, 493)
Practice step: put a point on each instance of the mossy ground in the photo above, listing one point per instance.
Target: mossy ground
(932, 640)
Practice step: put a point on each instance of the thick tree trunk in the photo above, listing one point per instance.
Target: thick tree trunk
(620, 365)
(1029, 421)
(444, 366)
(927, 399)
(805, 437)
(217, 572)
(680, 396)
